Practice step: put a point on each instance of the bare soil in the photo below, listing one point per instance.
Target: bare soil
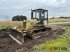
(9, 45)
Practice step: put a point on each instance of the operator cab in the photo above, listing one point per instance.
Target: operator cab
(40, 15)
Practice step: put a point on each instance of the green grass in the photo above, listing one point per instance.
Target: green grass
(49, 46)
(56, 45)
(6, 25)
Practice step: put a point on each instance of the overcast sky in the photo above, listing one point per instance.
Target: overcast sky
(10, 8)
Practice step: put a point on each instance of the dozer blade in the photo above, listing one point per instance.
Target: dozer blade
(15, 39)
(14, 35)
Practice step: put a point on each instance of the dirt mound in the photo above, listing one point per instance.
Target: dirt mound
(7, 44)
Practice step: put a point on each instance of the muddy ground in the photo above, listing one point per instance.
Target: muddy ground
(9, 45)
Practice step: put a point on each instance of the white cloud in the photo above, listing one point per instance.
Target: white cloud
(14, 7)
(52, 3)
(60, 3)
(56, 3)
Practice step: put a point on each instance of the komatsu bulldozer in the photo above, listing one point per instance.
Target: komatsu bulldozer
(32, 29)
(36, 27)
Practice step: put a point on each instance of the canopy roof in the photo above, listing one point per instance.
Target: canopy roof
(39, 10)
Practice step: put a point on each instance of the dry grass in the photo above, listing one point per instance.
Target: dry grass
(16, 23)
(9, 22)
(4, 24)
(59, 20)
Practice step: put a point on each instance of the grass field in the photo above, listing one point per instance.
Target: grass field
(5, 24)
(57, 45)
(16, 23)
(59, 20)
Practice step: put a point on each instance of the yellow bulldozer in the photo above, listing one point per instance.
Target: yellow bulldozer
(32, 29)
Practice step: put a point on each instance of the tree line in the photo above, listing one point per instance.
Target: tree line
(19, 18)
(64, 17)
